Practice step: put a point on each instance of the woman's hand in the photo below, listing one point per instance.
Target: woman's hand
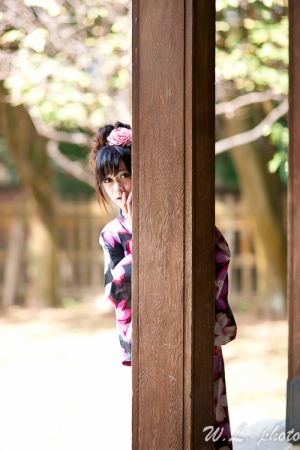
(127, 206)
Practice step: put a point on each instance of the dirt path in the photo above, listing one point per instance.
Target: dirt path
(63, 387)
(256, 371)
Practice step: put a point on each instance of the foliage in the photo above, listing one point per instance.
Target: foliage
(252, 43)
(8, 173)
(252, 55)
(69, 62)
(280, 138)
(65, 184)
(226, 176)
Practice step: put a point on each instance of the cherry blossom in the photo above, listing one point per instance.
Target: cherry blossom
(220, 400)
(123, 315)
(223, 334)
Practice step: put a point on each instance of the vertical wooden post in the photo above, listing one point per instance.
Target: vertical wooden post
(173, 229)
(293, 384)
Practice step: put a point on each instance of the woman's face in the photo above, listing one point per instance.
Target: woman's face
(115, 186)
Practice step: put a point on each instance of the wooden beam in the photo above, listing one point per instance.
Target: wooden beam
(293, 384)
(173, 229)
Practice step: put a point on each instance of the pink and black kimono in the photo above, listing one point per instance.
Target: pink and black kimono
(116, 240)
(225, 331)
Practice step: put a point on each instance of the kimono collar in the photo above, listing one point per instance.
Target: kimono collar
(124, 222)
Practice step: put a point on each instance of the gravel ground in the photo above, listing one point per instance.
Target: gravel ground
(256, 374)
(63, 387)
(62, 383)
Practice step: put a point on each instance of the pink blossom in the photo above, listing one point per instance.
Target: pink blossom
(223, 333)
(128, 336)
(129, 246)
(222, 296)
(123, 315)
(118, 273)
(120, 136)
(220, 280)
(122, 329)
(220, 400)
(110, 236)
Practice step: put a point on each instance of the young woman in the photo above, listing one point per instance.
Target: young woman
(111, 163)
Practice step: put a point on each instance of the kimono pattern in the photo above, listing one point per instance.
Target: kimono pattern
(116, 241)
(225, 331)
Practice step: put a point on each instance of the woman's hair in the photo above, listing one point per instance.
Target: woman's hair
(105, 158)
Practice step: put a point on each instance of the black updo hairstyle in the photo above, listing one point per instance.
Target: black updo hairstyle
(105, 158)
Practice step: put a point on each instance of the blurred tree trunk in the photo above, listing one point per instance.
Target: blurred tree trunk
(263, 210)
(27, 150)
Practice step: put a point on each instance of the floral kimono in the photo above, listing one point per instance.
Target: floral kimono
(116, 240)
(225, 331)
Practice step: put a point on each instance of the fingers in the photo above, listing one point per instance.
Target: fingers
(124, 204)
(127, 206)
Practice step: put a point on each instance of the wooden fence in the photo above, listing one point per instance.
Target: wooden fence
(231, 219)
(81, 258)
(80, 255)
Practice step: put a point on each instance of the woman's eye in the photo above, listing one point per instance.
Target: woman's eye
(107, 180)
(125, 175)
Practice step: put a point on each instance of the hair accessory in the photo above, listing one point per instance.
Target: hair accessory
(120, 136)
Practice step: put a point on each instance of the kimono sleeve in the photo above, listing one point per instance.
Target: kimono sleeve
(113, 254)
(225, 326)
(117, 287)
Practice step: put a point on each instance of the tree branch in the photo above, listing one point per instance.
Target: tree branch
(255, 133)
(60, 136)
(74, 168)
(81, 139)
(228, 108)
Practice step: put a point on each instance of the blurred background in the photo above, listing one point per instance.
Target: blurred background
(65, 70)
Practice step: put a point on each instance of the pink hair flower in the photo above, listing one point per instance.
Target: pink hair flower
(120, 136)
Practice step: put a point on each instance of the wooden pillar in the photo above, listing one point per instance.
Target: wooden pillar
(293, 384)
(173, 229)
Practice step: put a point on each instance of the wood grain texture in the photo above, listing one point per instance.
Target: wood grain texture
(188, 229)
(135, 227)
(203, 217)
(293, 194)
(173, 229)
